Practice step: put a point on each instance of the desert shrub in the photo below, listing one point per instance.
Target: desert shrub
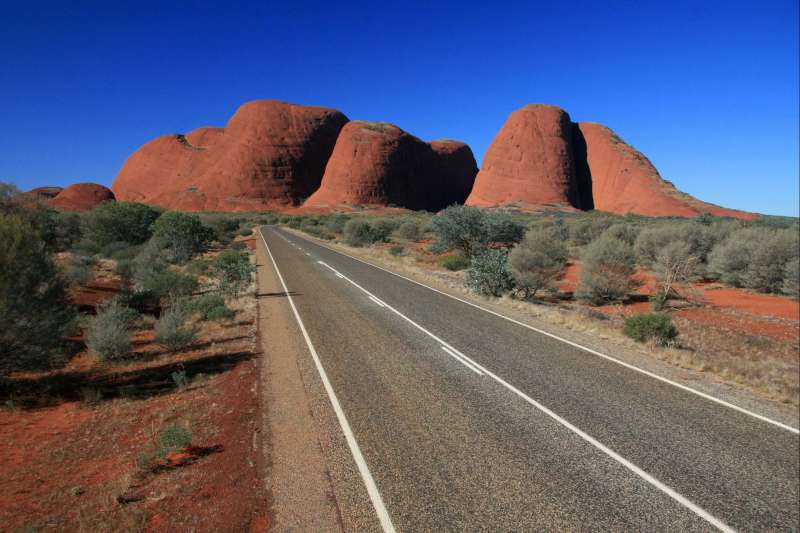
(148, 261)
(674, 264)
(108, 334)
(769, 257)
(197, 267)
(113, 248)
(171, 329)
(121, 221)
(396, 250)
(78, 269)
(651, 241)
(658, 300)
(488, 273)
(657, 327)
(167, 283)
(755, 258)
(360, 232)
(625, 232)
(791, 278)
(294, 221)
(172, 439)
(386, 226)
(203, 304)
(8, 191)
(409, 231)
(454, 262)
(181, 234)
(503, 229)
(232, 269)
(35, 315)
(608, 265)
(245, 232)
(460, 227)
(124, 268)
(537, 261)
(336, 223)
(221, 312)
(223, 228)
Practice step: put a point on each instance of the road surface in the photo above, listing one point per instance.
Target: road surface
(459, 420)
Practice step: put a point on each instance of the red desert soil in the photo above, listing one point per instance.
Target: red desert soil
(72, 438)
(82, 197)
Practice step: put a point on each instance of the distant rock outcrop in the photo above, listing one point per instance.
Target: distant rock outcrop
(624, 181)
(270, 155)
(82, 197)
(379, 164)
(530, 161)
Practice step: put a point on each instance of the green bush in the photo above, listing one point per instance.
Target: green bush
(198, 267)
(233, 270)
(171, 329)
(409, 231)
(454, 262)
(172, 439)
(108, 334)
(359, 232)
(504, 229)
(658, 300)
(651, 326)
(124, 269)
(182, 234)
(459, 227)
(245, 232)
(336, 223)
(396, 250)
(119, 221)
(35, 315)
(608, 265)
(78, 270)
(203, 304)
(221, 312)
(488, 273)
(112, 248)
(167, 283)
(537, 261)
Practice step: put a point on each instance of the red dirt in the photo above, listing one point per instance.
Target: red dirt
(82, 197)
(269, 156)
(757, 304)
(530, 161)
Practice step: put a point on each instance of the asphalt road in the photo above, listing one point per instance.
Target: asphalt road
(468, 422)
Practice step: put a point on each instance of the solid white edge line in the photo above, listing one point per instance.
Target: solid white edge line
(366, 476)
(460, 360)
(653, 481)
(584, 348)
(377, 301)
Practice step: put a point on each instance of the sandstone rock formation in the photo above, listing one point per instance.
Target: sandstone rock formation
(82, 197)
(623, 180)
(270, 155)
(376, 163)
(530, 162)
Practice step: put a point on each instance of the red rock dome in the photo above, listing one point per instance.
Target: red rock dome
(623, 180)
(82, 197)
(379, 164)
(530, 161)
(271, 154)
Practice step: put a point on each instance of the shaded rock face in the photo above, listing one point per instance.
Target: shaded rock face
(623, 180)
(530, 161)
(376, 163)
(82, 197)
(270, 155)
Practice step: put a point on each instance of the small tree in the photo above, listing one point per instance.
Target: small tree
(488, 273)
(608, 265)
(503, 229)
(232, 270)
(182, 234)
(359, 232)
(537, 262)
(674, 264)
(409, 230)
(119, 221)
(108, 334)
(460, 227)
(35, 315)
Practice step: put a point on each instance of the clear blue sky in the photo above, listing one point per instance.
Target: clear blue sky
(707, 89)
